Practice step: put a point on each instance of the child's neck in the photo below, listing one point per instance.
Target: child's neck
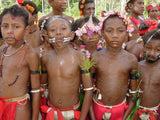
(16, 45)
(56, 12)
(114, 50)
(134, 15)
(61, 50)
(91, 49)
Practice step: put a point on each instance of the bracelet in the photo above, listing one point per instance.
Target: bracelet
(35, 91)
(133, 92)
(87, 89)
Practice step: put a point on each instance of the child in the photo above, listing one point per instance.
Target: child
(86, 7)
(150, 76)
(135, 10)
(153, 11)
(32, 34)
(87, 34)
(18, 67)
(64, 66)
(58, 7)
(113, 66)
(137, 48)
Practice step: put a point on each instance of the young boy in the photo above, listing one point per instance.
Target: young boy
(114, 66)
(86, 7)
(58, 7)
(150, 77)
(18, 67)
(64, 66)
(32, 34)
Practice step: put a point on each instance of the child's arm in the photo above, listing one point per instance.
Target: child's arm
(33, 61)
(88, 88)
(133, 88)
(43, 73)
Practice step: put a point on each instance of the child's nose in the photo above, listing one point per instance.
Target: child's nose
(58, 32)
(115, 34)
(10, 30)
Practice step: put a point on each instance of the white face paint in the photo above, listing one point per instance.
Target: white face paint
(65, 39)
(136, 8)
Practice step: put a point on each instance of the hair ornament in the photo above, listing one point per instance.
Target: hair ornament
(83, 1)
(43, 23)
(30, 8)
(88, 28)
(124, 17)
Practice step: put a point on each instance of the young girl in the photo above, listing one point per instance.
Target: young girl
(113, 66)
(87, 35)
(64, 66)
(32, 34)
(18, 67)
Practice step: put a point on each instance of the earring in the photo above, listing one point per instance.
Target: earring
(36, 23)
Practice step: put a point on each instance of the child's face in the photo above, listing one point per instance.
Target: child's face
(154, 13)
(90, 40)
(114, 32)
(152, 50)
(89, 9)
(59, 29)
(60, 5)
(138, 7)
(12, 28)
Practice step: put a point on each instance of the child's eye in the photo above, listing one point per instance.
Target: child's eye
(16, 26)
(108, 30)
(4, 26)
(52, 30)
(158, 50)
(64, 28)
(121, 30)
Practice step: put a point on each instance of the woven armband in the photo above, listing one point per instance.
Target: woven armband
(34, 72)
(84, 71)
(35, 91)
(88, 89)
(135, 75)
(44, 71)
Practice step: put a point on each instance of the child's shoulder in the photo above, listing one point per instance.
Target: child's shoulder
(98, 53)
(130, 56)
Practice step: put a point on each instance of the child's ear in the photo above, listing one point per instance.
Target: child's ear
(44, 32)
(72, 35)
(35, 17)
(130, 5)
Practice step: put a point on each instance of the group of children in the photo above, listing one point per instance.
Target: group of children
(63, 69)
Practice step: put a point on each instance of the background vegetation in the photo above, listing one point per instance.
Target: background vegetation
(73, 10)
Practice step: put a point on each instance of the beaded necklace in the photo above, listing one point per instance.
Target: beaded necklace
(20, 63)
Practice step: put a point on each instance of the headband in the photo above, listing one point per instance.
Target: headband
(124, 17)
(88, 28)
(153, 4)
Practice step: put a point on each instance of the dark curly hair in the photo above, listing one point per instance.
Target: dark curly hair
(16, 11)
(80, 22)
(154, 34)
(31, 4)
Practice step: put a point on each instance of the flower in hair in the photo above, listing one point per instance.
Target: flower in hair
(124, 17)
(88, 28)
(43, 23)
(30, 8)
